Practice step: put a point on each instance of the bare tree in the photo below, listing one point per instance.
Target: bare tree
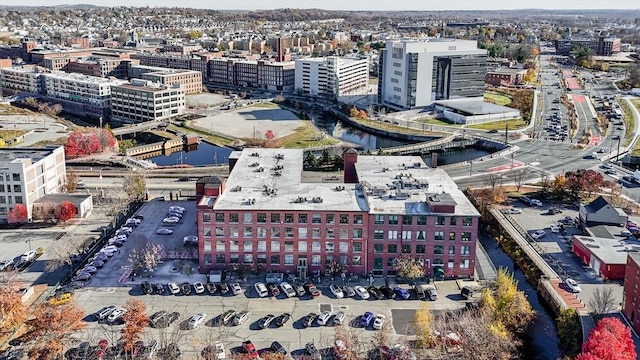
(61, 252)
(602, 301)
(493, 180)
(134, 186)
(114, 205)
(146, 257)
(518, 176)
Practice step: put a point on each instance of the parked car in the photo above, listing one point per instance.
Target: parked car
(60, 299)
(88, 269)
(312, 290)
(283, 319)
(538, 234)
(378, 322)
(126, 229)
(158, 288)
(241, 318)
(146, 287)
(278, 348)
(261, 289)
(164, 231)
(28, 256)
(362, 292)
(307, 321)
(250, 349)
(225, 318)
(323, 318)
(554, 228)
(223, 288)
(273, 290)
(366, 319)
(198, 287)
(236, 289)
(300, 291)
(266, 321)
(313, 351)
(185, 288)
(6, 265)
(513, 211)
(402, 293)
(157, 318)
(211, 288)
(348, 291)
(338, 318)
(432, 294)
(173, 288)
(171, 220)
(81, 277)
(196, 320)
(104, 312)
(535, 202)
(287, 289)
(387, 292)
(554, 210)
(377, 294)
(572, 285)
(171, 318)
(116, 315)
(176, 207)
(336, 291)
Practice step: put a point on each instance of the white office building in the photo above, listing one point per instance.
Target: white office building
(142, 101)
(21, 79)
(417, 73)
(332, 76)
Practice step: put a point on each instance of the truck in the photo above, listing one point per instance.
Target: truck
(250, 349)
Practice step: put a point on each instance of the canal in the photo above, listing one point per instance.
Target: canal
(541, 339)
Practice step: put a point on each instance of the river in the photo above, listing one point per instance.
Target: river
(541, 340)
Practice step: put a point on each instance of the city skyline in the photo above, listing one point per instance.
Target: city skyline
(376, 5)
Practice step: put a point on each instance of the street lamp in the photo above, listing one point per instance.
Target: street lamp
(28, 241)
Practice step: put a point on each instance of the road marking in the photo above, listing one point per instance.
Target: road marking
(516, 164)
(595, 140)
(535, 163)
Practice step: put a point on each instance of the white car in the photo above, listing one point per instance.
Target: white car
(171, 220)
(535, 202)
(120, 237)
(126, 229)
(554, 228)
(538, 234)
(88, 269)
(6, 264)
(336, 291)
(236, 289)
(324, 317)
(134, 221)
(572, 285)
(378, 322)
(513, 211)
(164, 231)
(28, 256)
(219, 350)
(116, 315)
(109, 248)
(196, 320)
(287, 289)
(176, 208)
(625, 233)
(174, 288)
(199, 287)
(362, 292)
(261, 289)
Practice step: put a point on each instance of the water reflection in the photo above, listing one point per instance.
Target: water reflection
(201, 155)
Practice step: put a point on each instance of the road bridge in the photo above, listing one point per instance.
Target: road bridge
(136, 128)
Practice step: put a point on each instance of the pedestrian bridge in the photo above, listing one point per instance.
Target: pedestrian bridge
(446, 142)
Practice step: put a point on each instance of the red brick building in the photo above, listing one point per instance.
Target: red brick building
(603, 255)
(631, 293)
(505, 77)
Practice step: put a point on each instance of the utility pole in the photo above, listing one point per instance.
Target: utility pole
(506, 133)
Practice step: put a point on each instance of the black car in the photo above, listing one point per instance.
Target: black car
(273, 290)
(146, 288)
(554, 210)
(299, 290)
(375, 292)
(266, 321)
(211, 288)
(158, 319)
(278, 348)
(186, 288)
(283, 319)
(139, 217)
(308, 320)
(225, 318)
(159, 288)
(169, 319)
(388, 292)
(224, 288)
(492, 131)
(348, 291)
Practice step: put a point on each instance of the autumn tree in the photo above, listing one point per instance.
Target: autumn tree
(134, 185)
(66, 211)
(610, 339)
(135, 321)
(558, 186)
(106, 138)
(70, 182)
(423, 322)
(17, 214)
(353, 112)
(409, 268)
(12, 310)
(81, 144)
(53, 326)
(508, 307)
(585, 181)
(335, 268)
(569, 331)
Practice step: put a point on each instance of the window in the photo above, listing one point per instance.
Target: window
(206, 231)
(378, 234)
(233, 218)
(233, 232)
(344, 233)
(316, 260)
(466, 236)
(275, 260)
(406, 235)
(219, 217)
(438, 250)
(262, 245)
(420, 235)
(356, 260)
(392, 235)
(262, 218)
(288, 218)
(275, 232)
(247, 259)
(391, 261)
(452, 236)
(247, 246)
(207, 246)
(302, 218)
(302, 233)
(392, 249)
(378, 248)
(234, 246)
(316, 219)
(220, 245)
(357, 246)
(207, 259)
(331, 233)
(248, 231)
(357, 233)
(288, 259)
(275, 246)
(261, 232)
(206, 217)
(465, 250)
(357, 219)
(247, 218)
(343, 259)
(262, 258)
(288, 246)
(464, 264)
(439, 220)
(316, 233)
(450, 264)
(220, 259)
(377, 263)
(315, 246)
(344, 218)
(344, 247)
(330, 219)
(406, 249)
(302, 246)
(275, 218)
(16, 177)
(329, 246)
(438, 235)
(422, 220)
(452, 249)
(407, 220)
(467, 221)
(421, 249)
(393, 219)
(452, 220)
(378, 219)
(288, 232)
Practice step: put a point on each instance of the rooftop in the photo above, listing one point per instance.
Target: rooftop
(610, 250)
(83, 78)
(507, 71)
(271, 179)
(8, 155)
(470, 107)
(404, 185)
(146, 86)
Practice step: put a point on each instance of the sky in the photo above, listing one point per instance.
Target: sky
(354, 4)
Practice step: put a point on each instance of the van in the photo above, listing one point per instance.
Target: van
(420, 291)
(338, 319)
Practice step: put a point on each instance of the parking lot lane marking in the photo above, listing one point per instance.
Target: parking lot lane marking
(125, 275)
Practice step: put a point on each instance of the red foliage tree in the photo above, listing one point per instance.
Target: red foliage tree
(17, 214)
(582, 180)
(269, 135)
(81, 144)
(66, 211)
(610, 339)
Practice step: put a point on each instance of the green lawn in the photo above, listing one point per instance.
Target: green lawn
(437, 122)
(211, 138)
(498, 99)
(12, 110)
(306, 136)
(514, 124)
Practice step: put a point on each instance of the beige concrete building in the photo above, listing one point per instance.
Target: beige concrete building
(142, 101)
(190, 80)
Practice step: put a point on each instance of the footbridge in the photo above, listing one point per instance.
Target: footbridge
(136, 128)
(446, 142)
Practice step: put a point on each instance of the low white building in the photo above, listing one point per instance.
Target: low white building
(142, 101)
(332, 76)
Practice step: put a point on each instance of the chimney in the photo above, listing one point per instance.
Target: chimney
(280, 57)
(350, 159)
(434, 160)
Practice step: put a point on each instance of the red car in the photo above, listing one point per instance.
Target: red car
(250, 349)
(312, 290)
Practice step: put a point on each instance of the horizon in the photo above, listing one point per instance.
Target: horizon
(351, 5)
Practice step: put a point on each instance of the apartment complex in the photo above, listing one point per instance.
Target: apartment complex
(191, 81)
(143, 100)
(28, 174)
(604, 46)
(21, 79)
(505, 77)
(278, 76)
(196, 62)
(332, 76)
(265, 215)
(101, 66)
(415, 74)
(631, 293)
